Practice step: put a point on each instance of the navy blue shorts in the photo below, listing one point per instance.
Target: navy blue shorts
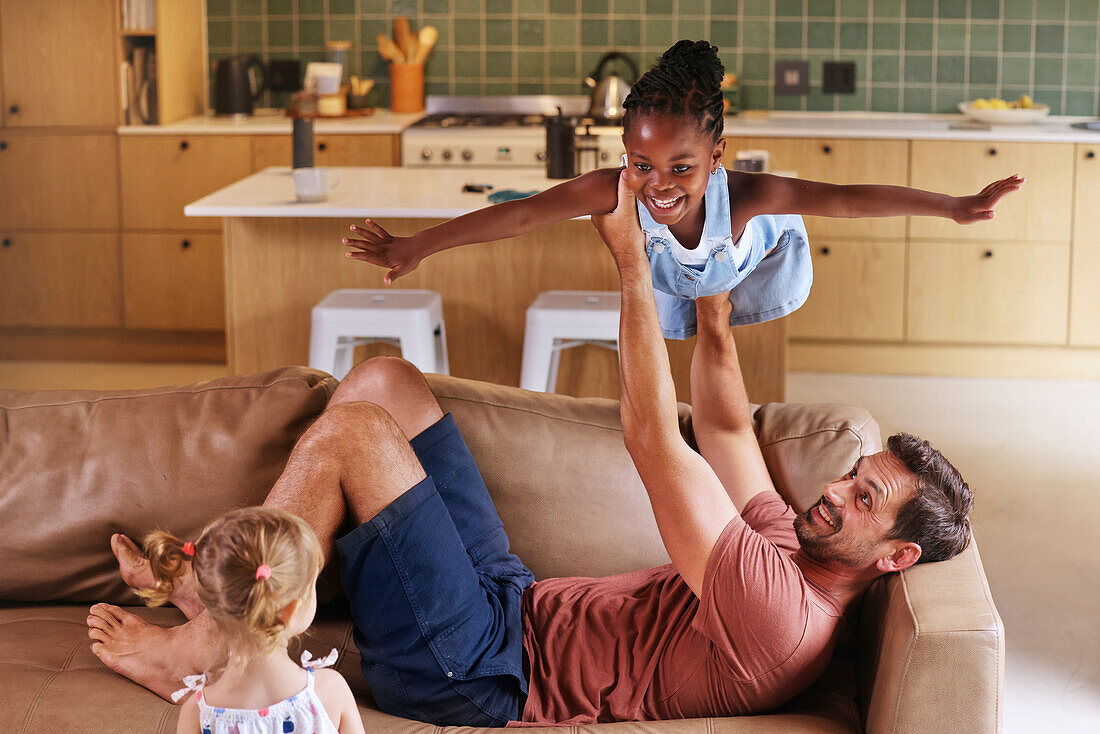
(435, 595)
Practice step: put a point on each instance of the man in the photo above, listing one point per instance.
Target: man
(450, 626)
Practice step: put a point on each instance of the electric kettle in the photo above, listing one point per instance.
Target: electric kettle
(235, 85)
(608, 93)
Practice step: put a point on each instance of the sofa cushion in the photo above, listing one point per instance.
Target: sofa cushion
(77, 466)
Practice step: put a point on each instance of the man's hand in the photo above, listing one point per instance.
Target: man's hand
(400, 255)
(979, 208)
(620, 229)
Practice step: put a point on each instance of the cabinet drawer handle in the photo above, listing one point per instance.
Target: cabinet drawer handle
(7, 242)
(14, 109)
(184, 145)
(826, 149)
(186, 244)
(3, 145)
(1090, 154)
(987, 253)
(992, 151)
(824, 250)
(322, 146)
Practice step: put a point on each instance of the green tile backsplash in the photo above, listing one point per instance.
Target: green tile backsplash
(910, 55)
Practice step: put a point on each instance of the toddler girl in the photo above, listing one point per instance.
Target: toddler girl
(255, 569)
(707, 230)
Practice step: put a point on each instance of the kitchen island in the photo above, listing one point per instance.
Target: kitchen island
(283, 256)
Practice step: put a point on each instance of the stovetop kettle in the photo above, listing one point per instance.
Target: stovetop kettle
(609, 92)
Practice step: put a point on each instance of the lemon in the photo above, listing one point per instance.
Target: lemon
(980, 104)
(998, 104)
(1025, 102)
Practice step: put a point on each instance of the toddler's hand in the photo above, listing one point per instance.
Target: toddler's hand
(381, 248)
(979, 208)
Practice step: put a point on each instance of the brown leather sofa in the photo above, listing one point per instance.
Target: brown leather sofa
(925, 652)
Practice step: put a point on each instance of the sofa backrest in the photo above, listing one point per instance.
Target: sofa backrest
(77, 466)
(570, 498)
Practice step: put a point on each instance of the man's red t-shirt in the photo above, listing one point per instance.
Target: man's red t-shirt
(642, 646)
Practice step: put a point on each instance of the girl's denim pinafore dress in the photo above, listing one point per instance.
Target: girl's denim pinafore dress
(768, 271)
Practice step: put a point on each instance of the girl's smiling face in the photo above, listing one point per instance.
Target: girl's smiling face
(669, 161)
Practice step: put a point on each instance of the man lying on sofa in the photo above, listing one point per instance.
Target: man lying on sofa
(450, 626)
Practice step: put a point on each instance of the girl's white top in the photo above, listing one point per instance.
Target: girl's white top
(302, 713)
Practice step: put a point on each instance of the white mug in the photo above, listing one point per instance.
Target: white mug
(313, 184)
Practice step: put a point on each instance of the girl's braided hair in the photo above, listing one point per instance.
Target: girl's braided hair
(687, 81)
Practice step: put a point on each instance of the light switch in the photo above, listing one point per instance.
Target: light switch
(792, 77)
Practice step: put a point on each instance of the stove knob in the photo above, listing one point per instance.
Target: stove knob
(541, 155)
(467, 154)
(426, 154)
(447, 155)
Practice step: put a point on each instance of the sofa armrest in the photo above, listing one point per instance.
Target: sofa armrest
(932, 650)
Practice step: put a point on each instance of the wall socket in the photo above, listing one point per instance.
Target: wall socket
(838, 77)
(792, 77)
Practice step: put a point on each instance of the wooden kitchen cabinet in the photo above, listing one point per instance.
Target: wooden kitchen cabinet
(173, 281)
(839, 161)
(1084, 315)
(58, 181)
(58, 63)
(1039, 212)
(59, 279)
(329, 150)
(974, 293)
(161, 174)
(858, 292)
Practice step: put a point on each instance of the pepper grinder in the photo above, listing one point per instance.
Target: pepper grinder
(302, 138)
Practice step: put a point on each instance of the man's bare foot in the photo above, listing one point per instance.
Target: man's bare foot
(133, 566)
(155, 657)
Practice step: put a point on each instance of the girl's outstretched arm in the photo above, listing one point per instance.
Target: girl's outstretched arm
(780, 195)
(592, 193)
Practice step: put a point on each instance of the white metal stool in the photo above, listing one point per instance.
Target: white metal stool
(560, 320)
(409, 319)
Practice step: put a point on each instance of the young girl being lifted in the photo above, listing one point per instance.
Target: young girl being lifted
(707, 230)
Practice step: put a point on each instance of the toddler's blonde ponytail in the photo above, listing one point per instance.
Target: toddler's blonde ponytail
(166, 561)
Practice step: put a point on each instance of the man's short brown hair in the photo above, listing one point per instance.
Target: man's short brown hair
(937, 517)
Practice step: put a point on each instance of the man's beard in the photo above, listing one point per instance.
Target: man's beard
(826, 545)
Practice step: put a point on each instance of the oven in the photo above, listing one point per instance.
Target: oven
(506, 132)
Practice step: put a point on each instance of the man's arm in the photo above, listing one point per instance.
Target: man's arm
(690, 505)
(782, 195)
(720, 413)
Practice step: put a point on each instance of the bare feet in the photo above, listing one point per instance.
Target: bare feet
(133, 566)
(155, 657)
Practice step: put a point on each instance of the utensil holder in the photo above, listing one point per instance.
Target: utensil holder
(407, 87)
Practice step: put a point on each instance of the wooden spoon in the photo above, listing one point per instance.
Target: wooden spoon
(404, 37)
(427, 39)
(389, 50)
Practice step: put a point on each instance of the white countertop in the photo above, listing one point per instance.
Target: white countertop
(367, 192)
(882, 125)
(902, 126)
(275, 122)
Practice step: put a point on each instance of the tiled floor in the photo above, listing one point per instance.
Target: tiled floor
(1027, 447)
(1029, 450)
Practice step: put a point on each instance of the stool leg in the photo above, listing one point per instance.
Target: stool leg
(419, 348)
(441, 349)
(555, 361)
(538, 354)
(323, 349)
(342, 359)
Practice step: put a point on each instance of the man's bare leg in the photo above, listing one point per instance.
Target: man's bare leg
(355, 458)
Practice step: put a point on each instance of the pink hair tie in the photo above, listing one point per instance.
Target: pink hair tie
(263, 572)
(188, 549)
